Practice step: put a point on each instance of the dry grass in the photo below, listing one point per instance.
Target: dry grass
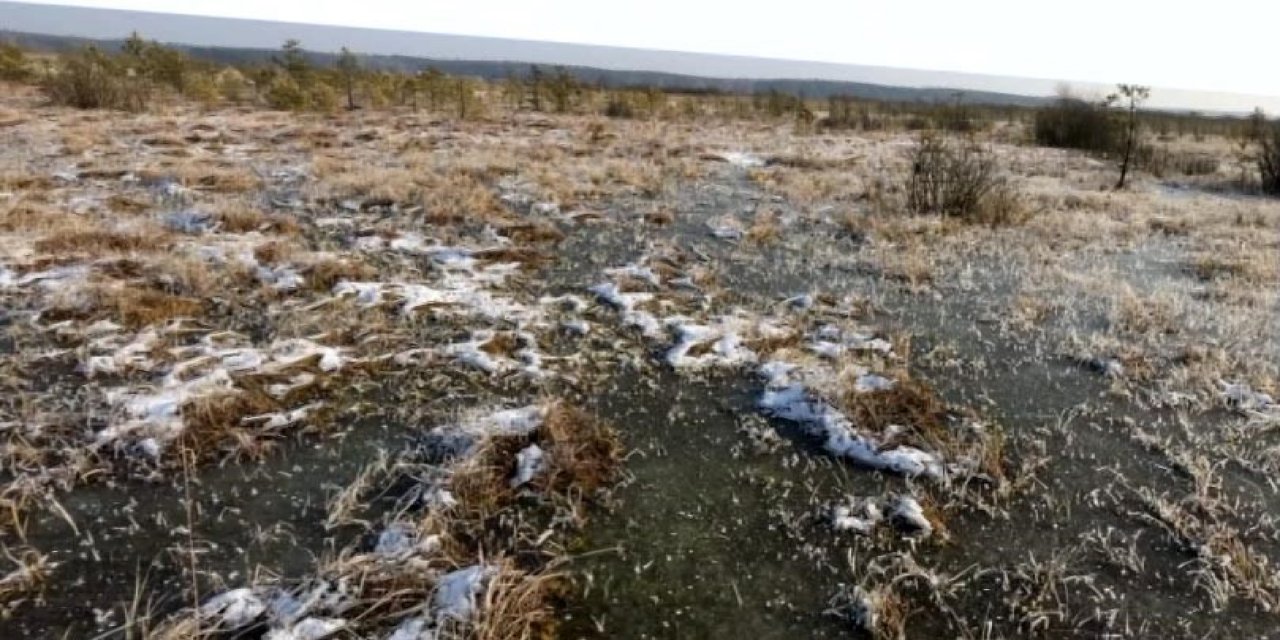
(531, 232)
(765, 229)
(240, 218)
(273, 252)
(205, 176)
(30, 570)
(582, 456)
(137, 307)
(518, 605)
(585, 453)
(323, 275)
(213, 425)
(99, 242)
(911, 404)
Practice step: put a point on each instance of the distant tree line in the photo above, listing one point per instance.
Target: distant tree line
(142, 72)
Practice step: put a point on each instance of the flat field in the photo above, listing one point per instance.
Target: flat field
(380, 374)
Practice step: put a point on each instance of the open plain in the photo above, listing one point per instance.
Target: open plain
(387, 373)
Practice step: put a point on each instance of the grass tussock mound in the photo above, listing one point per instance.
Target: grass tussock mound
(911, 404)
(582, 455)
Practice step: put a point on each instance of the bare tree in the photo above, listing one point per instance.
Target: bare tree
(349, 67)
(1130, 97)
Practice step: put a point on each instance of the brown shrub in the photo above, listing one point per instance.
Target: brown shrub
(585, 451)
(127, 204)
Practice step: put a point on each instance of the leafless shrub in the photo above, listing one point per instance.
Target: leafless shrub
(957, 180)
(1267, 135)
(1073, 123)
(90, 79)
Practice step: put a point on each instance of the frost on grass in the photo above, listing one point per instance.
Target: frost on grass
(724, 342)
(793, 402)
(153, 416)
(421, 572)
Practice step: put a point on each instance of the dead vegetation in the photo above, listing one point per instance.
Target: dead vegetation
(826, 213)
(99, 242)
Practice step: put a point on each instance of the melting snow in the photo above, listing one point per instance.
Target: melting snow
(529, 463)
(308, 629)
(456, 593)
(233, 609)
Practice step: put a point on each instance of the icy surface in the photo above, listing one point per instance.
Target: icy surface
(233, 609)
(529, 463)
(456, 593)
(308, 629)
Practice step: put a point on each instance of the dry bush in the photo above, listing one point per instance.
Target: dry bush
(212, 425)
(240, 218)
(226, 180)
(90, 79)
(31, 569)
(25, 215)
(585, 451)
(953, 179)
(536, 231)
(11, 180)
(1246, 268)
(583, 455)
(1003, 206)
(1145, 315)
(122, 203)
(273, 252)
(1162, 161)
(1072, 123)
(1267, 135)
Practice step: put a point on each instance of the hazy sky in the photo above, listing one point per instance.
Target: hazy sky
(1219, 46)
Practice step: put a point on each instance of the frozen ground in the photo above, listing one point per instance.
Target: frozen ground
(301, 376)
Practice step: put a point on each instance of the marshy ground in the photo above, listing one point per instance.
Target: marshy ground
(383, 375)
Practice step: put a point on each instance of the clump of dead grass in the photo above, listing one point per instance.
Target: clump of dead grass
(582, 455)
(909, 403)
(765, 229)
(530, 232)
(30, 570)
(239, 218)
(519, 605)
(137, 307)
(325, 274)
(97, 242)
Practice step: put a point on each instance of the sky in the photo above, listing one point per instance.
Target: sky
(1226, 46)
